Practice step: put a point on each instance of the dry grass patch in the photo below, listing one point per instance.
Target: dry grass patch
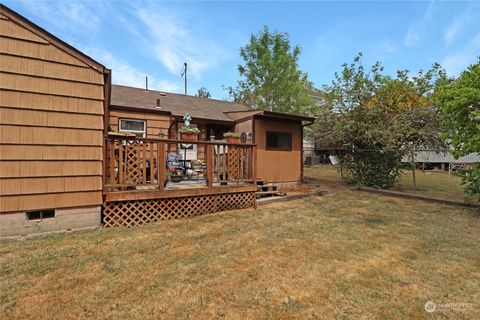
(436, 184)
(346, 256)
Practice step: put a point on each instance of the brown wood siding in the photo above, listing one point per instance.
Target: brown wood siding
(244, 126)
(19, 47)
(44, 152)
(156, 123)
(51, 124)
(24, 83)
(50, 201)
(278, 166)
(38, 101)
(39, 68)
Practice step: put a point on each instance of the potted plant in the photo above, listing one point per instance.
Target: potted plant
(232, 137)
(175, 174)
(188, 133)
(197, 165)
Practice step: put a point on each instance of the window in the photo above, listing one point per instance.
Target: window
(279, 141)
(134, 126)
(40, 215)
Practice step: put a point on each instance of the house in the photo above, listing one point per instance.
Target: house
(77, 152)
(53, 100)
(278, 135)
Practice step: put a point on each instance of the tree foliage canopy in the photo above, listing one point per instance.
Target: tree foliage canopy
(270, 75)
(203, 93)
(377, 119)
(460, 103)
(459, 100)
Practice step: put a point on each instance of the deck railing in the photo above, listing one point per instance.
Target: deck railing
(132, 163)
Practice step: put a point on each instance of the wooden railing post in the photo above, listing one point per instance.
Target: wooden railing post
(210, 167)
(110, 145)
(161, 167)
(254, 164)
(121, 164)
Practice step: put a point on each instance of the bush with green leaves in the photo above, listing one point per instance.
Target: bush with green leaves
(374, 168)
(378, 119)
(459, 100)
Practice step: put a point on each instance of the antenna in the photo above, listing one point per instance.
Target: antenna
(184, 73)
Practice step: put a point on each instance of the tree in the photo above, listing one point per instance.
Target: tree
(203, 93)
(378, 119)
(459, 100)
(270, 76)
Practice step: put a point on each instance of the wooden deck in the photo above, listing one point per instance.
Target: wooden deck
(138, 188)
(178, 191)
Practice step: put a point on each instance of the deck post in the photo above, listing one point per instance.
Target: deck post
(210, 168)
(254, 164)
(160, 165)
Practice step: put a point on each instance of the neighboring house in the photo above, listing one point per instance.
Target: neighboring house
(443, 160)
(60, 169)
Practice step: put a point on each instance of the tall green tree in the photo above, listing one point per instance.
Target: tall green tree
(203, 93)
(459, 100)
(378, 119)
(270, 76)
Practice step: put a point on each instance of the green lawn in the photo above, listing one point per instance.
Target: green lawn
(436, 184)
(346, 255)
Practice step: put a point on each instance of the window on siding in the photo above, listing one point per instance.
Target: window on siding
(40, 215)
(134, 126)
(279, 141)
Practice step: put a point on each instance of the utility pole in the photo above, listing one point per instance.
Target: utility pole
(184, 73)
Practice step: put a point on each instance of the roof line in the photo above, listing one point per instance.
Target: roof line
(184, 95)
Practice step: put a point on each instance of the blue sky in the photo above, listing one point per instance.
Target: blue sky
(137, 39)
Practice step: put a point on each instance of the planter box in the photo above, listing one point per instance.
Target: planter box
(232, 139)
(188, 137)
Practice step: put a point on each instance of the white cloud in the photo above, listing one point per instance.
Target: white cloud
(459, 60)
(173, 43)
(387, 46)
(64, 14)
(125, 74)
(458, 24)
(416, 31)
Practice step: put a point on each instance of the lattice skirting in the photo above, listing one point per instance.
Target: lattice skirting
(137, 212)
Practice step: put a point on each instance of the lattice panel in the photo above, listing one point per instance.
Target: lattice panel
(233, 154)
(133, 162)
(137, 212)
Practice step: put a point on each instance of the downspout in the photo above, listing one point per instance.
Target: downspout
(301, 147)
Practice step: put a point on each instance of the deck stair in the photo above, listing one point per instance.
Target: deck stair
(268, 190)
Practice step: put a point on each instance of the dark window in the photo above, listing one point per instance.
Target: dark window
(39, 215)
(134, 126)
(279, 141)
